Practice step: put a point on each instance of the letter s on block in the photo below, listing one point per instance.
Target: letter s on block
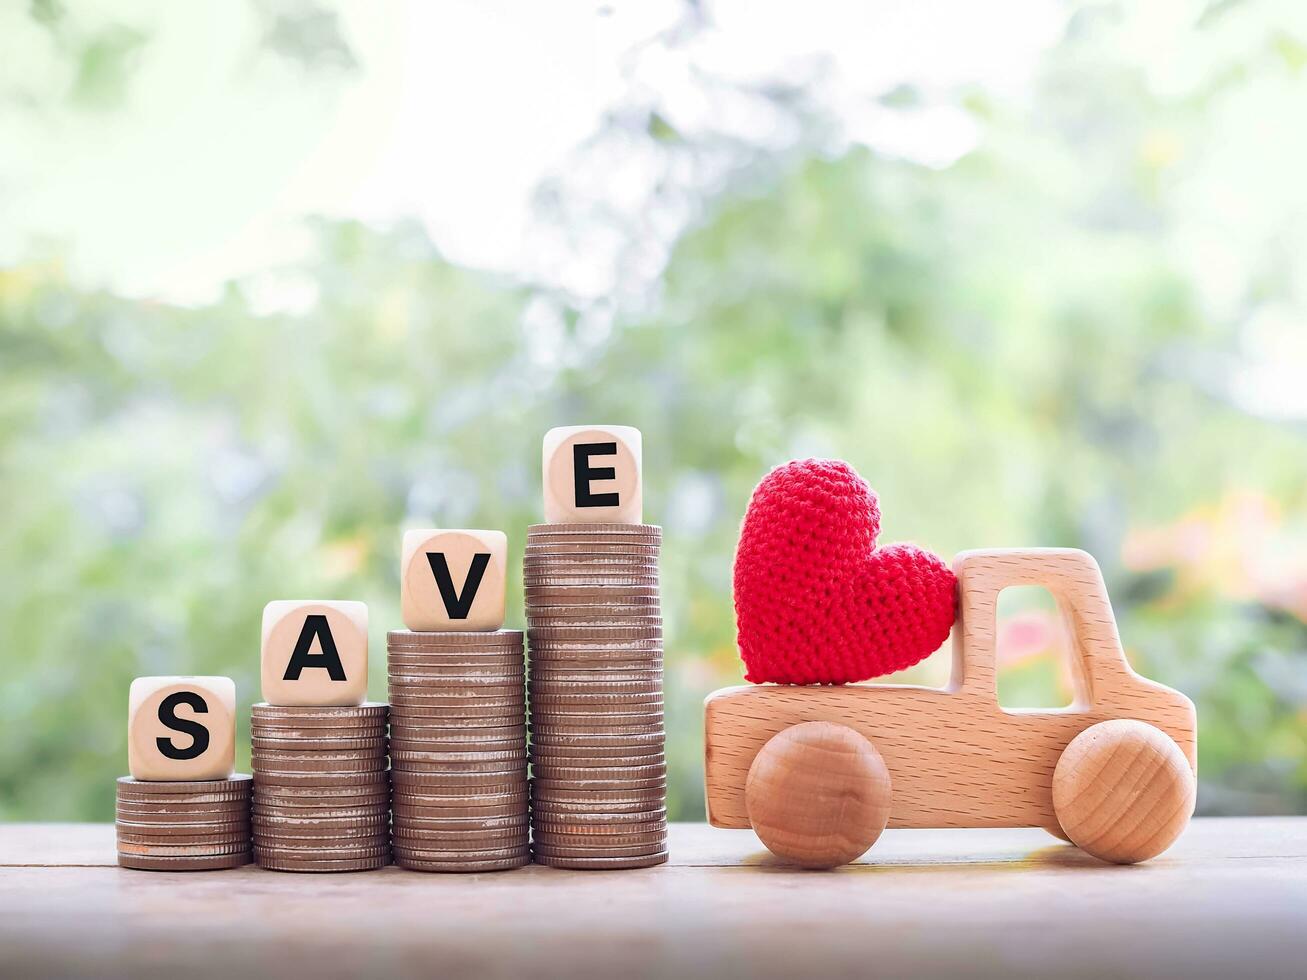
(181, 728)
(187, 726)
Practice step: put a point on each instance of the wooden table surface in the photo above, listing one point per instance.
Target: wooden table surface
(1229, 900)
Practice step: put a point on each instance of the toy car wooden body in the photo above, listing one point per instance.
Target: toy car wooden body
(956, 758)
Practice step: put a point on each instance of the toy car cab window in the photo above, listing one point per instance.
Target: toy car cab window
(1034, 652)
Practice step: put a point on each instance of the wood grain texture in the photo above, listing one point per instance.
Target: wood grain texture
(1225, 901)
(1123, 791)
(957, 758)
(818, 795)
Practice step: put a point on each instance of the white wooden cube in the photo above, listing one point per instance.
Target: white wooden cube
(315, 651)
(453, 579)
(181, 728)
(592, 473)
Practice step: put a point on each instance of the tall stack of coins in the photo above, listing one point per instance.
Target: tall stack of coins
(458, 750)
(197, 825)
(598, 772)
(321, 787)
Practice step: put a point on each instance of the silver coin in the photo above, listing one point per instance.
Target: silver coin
(464, 865)
(466, 664)
(141, 862)
(545, 784)
(456, 674)
(590, 549)
(566, 580)
(263, 742)
(182, 809)
(592, 617)
(451, 782)
(331, 714)
(578, 596)
(586, 813)
(443, 639)
(430, 803)
(544, 760)
(430, 762)
(450, 854)
(362, 783)
(477, 837)
(320, 755)
(543, 730)
(282, 863)
(412, 717)
(157, 830)
(593, 527)
(594, 634)
(615, 715)
(603, 676)
(237, 782)
(596, 687)
(183, 840)
(500, 692)
(317, 813)
(600, 801)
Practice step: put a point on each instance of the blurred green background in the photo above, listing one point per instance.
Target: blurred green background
(281, 279)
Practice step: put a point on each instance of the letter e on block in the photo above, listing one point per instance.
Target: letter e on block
(181, 728)
(315, 652)
(592, 473)
(453, 580)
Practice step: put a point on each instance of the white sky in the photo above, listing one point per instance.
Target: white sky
(458, 112)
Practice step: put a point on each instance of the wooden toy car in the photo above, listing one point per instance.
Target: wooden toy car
(820, 771)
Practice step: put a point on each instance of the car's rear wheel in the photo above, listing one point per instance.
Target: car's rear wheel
(1123, 791)
(818, 794)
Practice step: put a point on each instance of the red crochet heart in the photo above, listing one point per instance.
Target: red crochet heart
(816, 602)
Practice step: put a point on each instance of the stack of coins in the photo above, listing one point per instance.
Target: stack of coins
(458, 750)
(321, 787)
(184, 826)
(598, 772)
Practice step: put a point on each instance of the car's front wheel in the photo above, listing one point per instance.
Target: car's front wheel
(1123, 791)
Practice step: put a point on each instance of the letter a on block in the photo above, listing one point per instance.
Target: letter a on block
(453, 580)
(315, 652)
(592, 474)
(181, 728)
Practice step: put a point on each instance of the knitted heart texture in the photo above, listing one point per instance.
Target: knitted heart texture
(816, 602)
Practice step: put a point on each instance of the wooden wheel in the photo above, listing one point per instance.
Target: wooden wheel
(818, 794)
(1123, 791)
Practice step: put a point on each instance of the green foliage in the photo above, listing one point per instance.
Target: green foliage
(1016, 349)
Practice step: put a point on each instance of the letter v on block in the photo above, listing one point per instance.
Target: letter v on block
(453, 580)
(458, 605)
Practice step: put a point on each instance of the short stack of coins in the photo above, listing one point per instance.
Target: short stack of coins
(458, 750)
(196, 825)
(321, 787)
(598, 770)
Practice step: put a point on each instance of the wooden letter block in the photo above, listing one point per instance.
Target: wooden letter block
(181, 728)
(592, 473)
(315, 652)
(453, 580)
